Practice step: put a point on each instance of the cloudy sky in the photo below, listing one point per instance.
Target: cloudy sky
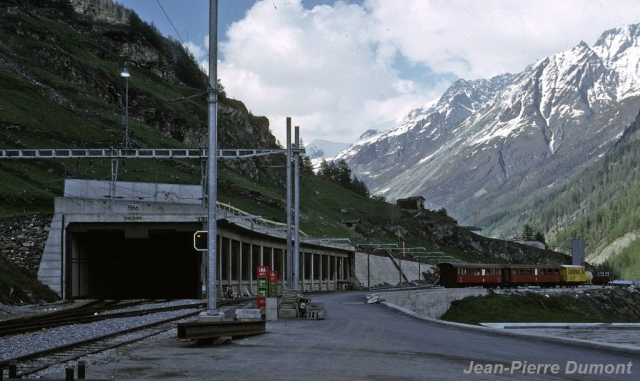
(339, 68)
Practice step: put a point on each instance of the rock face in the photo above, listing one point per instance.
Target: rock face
(22, 241)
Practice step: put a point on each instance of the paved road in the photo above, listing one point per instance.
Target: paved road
(357, 341)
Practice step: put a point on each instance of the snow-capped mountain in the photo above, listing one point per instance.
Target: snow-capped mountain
(319, 149)
(486, 143)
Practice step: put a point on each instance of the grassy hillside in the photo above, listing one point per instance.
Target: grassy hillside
(597, 306)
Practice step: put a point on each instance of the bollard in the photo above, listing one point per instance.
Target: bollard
(13, 369)
(68, 373)
(81, 369)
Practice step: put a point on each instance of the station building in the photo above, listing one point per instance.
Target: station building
(127, 240)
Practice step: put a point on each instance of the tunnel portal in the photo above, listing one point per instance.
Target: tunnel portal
(106, 264)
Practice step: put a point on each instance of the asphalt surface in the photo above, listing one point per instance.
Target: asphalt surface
(358, 341)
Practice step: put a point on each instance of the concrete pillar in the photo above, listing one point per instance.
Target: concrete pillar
(229, 262)
(321, 270)
(261, 255)
(272, 263)
(302, 270)
(312, 273)
(283, 265)
(240, 259)
(219, 267)
(251, 267)
(334, 270)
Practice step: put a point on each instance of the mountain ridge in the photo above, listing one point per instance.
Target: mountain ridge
(487, 156)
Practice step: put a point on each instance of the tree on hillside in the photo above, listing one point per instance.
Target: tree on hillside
(324, 172)
(343, 173)
(340, 173)
(306, 165)
(540, 238)
(359, 187)
(527, 233)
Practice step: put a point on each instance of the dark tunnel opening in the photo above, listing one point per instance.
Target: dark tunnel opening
(162, 266)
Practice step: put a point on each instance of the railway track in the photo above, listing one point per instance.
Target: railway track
(91, 312)
(159, 320)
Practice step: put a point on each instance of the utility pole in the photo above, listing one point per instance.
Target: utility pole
(125, 74)
(289, 260)
(212, 169)
(296, 215)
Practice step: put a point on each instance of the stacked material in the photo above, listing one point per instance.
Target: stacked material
(289, 306)
(294, 304)
(315, 310)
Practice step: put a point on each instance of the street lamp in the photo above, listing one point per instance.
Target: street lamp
(125, 74)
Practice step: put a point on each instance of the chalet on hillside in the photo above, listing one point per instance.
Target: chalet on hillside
(412, 203)
(351, 224)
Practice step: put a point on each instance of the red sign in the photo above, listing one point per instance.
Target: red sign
(262, 271)
(261, 303)
(273, 276)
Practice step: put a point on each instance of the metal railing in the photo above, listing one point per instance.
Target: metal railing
(135, 153)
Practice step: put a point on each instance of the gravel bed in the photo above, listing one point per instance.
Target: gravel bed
(18, 345)
(11, 312)
(104, 357)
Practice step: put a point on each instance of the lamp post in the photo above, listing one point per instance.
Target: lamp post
(125, 74)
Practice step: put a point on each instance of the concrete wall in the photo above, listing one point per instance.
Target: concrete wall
(432, 302)
(140, 192)
(381, 270)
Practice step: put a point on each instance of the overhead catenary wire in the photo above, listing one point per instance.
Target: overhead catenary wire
(170, 22)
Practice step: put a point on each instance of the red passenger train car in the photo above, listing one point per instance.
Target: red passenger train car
(532, 275)
(470, 274)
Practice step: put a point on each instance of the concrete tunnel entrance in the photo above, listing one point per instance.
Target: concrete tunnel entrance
(132, 261)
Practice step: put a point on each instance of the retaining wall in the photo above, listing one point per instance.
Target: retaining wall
(381, 270)
(432, 302)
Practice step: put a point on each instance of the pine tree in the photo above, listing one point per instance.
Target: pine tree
(527, 233)
(343, 174)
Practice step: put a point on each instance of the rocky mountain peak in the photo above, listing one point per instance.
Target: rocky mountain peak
(619, 50)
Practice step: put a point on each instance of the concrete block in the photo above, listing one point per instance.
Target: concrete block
(210, 319)
(315, 306)
(287, 313)
(248, 314)
(315, 315)
(204, 317)
(271, 310)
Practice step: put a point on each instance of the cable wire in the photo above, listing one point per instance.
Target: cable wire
(170, 22)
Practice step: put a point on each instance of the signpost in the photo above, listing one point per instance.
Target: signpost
(201, 240)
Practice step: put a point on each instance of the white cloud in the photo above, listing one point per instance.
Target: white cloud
(333, 69)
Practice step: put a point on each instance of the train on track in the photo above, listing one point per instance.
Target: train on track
(508, 275)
